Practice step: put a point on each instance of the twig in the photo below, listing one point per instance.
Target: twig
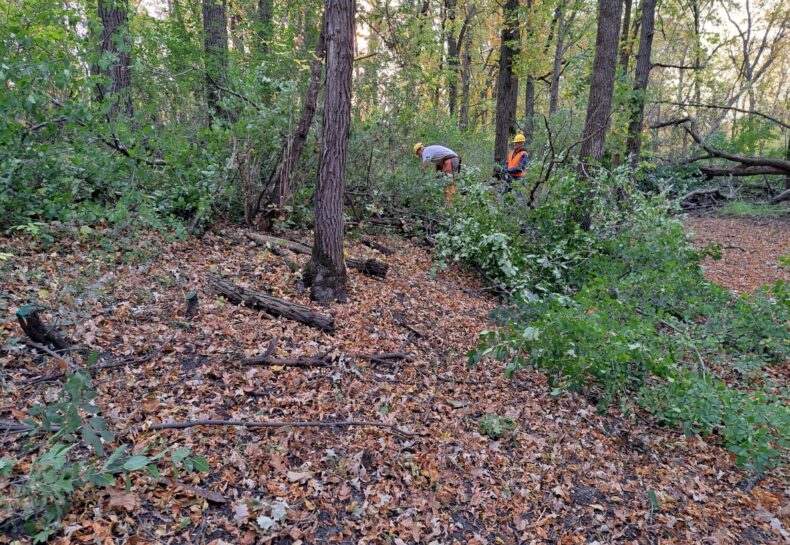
(33, 344)
(298, 424)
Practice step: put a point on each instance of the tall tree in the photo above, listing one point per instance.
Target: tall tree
(507, 81)
(599, 102)
(564, 24)
(642, 76)
(453, 44)
(529, 85)
(115, 45)
(265, 15)
(326, 271)
(215, 48)
(466, 69)
(625, 42)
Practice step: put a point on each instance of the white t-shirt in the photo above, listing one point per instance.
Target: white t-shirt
(437, 154)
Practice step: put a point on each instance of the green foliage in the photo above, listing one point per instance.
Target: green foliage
(495, 426)
(68, 442)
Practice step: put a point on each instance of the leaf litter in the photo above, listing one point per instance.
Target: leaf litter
(564, 474)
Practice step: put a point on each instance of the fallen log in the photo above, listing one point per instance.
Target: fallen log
(376, 246)
(781, 197)
(273, 305)
(387, 357)
(37, 331)
(712, 172)
(370, 267)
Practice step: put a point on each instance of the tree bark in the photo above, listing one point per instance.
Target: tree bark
(115, 44)
(326, 271)
(625, 41)
(466, 72)
(507, 82)
(452, 56)
(557, 66)
(642, 77)
(599, 103)
(529, 88)
(273, 305)
(215, 48)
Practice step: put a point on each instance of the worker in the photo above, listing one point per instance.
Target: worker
(517, 158)
(446, 161)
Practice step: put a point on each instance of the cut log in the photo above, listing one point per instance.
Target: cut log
(781, 197)
(192, 305)
(712, 172)
(712, 192)
(376, 246)
(273, 305)
(370, 267)
(34, 327)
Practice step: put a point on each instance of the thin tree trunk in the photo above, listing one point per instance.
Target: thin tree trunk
(452, 57)
(507, 82)
(294, 145)
(529, 88)
(466, 72)
(642, 77)
(625, 42)
(557, 66)
(215, 47)
(115, 43)
(326, 271)
(265, 13)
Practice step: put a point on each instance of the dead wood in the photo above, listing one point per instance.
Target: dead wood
(290, 263)
(712, 172)
(370, 267)
(273, 305)
(376, 246)
(31, 323)
(192, 305)
(781, 197)
(387, 357)
(401, 320)
(251, 424)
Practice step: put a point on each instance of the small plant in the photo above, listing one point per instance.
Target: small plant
(495, 426)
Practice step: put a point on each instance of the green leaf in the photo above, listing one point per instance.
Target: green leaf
(180, 454)
(200, 463)
(136, 462)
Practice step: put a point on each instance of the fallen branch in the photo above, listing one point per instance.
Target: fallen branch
(376, 246)
(781, 197)
(273, 305)
(712, 172)
(387, 357)
(250, 424)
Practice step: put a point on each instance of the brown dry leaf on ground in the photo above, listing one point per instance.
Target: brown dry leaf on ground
(564, 475)
(751, 248)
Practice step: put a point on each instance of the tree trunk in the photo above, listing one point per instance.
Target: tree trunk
(599, 103)
(466, 73)
(529, 88)
(557, 66)
(642, 77)
(294, 145)
(452, 57)
(115, 44)
(215, 48)
(625, 41)
(265, 13)
(326, 271)
(507, 82)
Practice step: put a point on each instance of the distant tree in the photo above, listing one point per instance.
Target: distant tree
(641, 78)
(115, 49)
(215, 48)
(326, 271)
(507, 81)
(265, 14)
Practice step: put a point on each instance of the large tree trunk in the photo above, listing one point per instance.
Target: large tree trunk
(466, 72)
(625, 39)
(265, 13)
(642, 77)
(326, 271)
(215, 47)
(599, 103)
(115, 43)
(507, 82)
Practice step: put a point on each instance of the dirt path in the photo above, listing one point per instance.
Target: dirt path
(751, 248)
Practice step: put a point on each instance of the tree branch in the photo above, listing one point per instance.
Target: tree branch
(251, 424)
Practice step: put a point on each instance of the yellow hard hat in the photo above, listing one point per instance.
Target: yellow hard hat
(416, 147)
(519, 138)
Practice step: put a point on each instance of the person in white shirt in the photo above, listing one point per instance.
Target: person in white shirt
(445, 160)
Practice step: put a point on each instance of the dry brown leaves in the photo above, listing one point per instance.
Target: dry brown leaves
(751, 248)
(566, 475)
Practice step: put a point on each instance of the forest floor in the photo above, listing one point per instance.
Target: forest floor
(564, 474)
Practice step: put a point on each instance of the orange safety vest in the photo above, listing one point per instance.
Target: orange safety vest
(513, 160)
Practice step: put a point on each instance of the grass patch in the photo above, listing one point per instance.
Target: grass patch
(748, 209)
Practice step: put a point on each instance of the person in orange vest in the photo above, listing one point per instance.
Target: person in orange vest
(516, 160)
(446, 161)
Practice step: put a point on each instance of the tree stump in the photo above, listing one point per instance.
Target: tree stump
(34, 327)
